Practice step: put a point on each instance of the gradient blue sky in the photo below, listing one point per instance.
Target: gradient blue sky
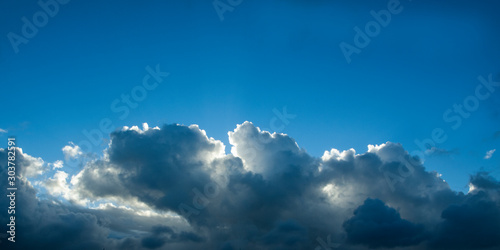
(262, 56)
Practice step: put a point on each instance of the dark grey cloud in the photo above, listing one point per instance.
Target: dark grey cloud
(376, 225)
(158, 167)
(47, 224)
(160, 235)
(473, 224)
(175, 188)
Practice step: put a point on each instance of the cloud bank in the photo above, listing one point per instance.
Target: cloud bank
(174, 188)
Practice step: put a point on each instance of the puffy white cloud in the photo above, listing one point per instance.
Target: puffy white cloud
(489, 154)
(71, 151)
(174, 188)
(31, 166)
(58, 184)
(269, 155)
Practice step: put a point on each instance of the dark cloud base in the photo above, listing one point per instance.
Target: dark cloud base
(267, 194)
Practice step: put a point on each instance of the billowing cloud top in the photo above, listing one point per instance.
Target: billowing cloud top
(175, 188)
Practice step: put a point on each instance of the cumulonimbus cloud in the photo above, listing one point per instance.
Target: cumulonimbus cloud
(174, 188)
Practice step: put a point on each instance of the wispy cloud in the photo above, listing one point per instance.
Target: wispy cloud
(3, 131)
(489, 154)
(440, 151)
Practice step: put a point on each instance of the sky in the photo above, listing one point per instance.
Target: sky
(378, 115)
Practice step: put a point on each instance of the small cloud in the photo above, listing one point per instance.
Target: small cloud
(440, 151)
(71, 151)
(489, 154)
(3, 131)
(57, 164)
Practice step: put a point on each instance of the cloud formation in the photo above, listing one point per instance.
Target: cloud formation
(377, 225)
(174, 188)
(489, 154)
(71, 151)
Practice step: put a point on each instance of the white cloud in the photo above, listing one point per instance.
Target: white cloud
(3, 131)
(489, 154)
(33, 166)
(71, 151)
(57, 185)
(57, 164)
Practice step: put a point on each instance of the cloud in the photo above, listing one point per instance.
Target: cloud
(2, 131)
(173, 187)
(29, 166)
(160, 235)
(71, 151)
(57, 164)
(473, 223)
(157, 167)
(440, 151)
(47, 223)
(58, 184)
(377, 225)
(489, 154)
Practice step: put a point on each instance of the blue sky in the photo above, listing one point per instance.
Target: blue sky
(260, 57)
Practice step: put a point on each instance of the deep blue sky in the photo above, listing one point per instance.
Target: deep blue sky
(262, 56)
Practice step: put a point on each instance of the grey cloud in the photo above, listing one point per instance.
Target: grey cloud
(435, 151)
(44, 224)
(269, 194)
(163, 234)
(376, 225)
(159, 167)
(473, 224)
